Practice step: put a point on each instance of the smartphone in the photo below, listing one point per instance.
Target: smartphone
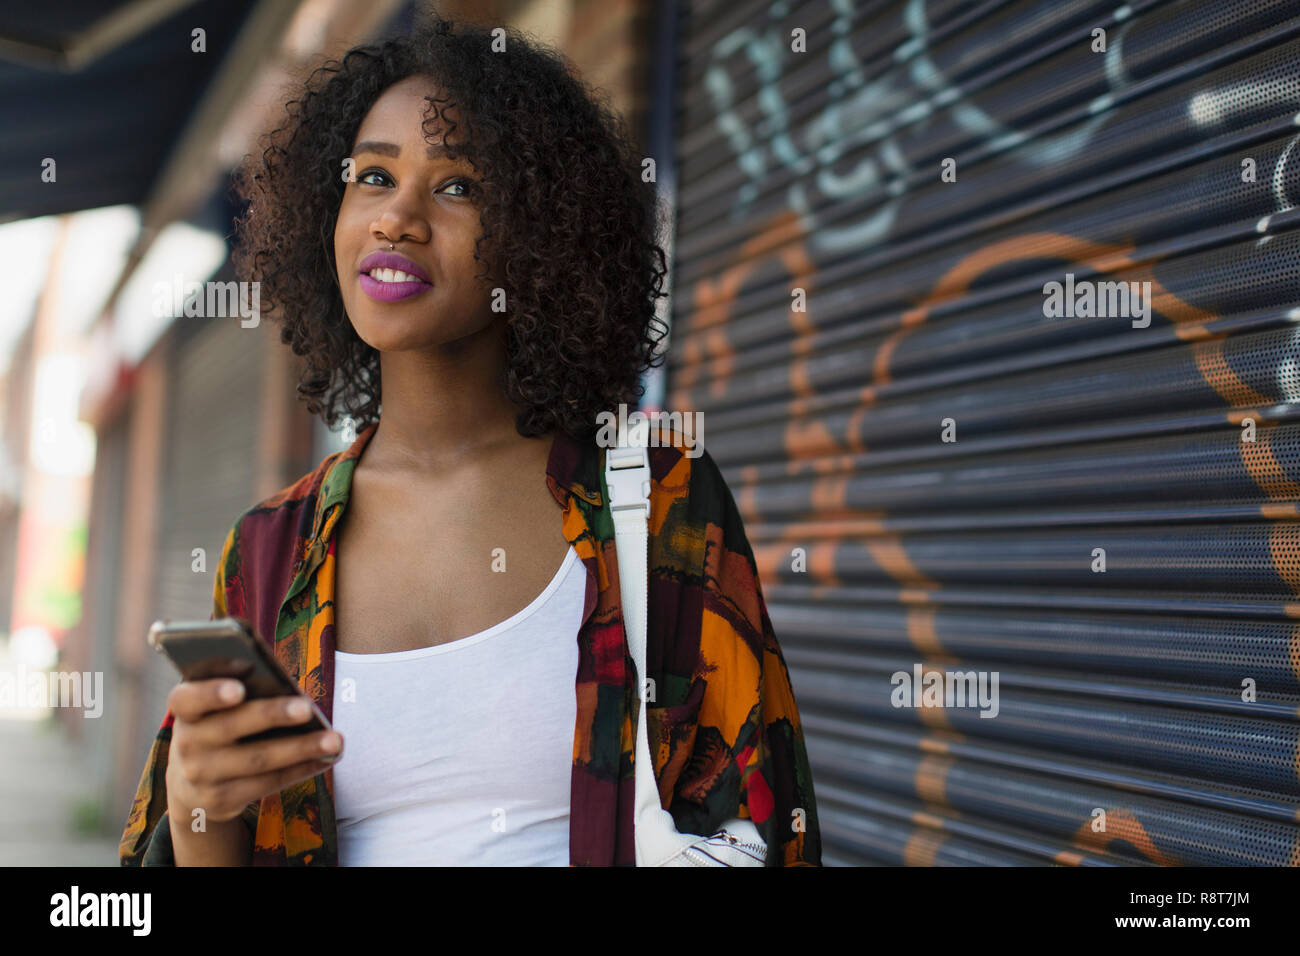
(229, 647)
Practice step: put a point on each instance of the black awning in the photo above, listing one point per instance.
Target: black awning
(103, 91)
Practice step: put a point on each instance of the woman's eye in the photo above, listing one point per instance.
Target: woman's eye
(463, 185)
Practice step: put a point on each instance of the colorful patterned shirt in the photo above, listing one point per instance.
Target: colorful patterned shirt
(724, 732)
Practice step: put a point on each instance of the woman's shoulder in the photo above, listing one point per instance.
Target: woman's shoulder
(687, 488)
(683, 468)
(673, 447)
(266, 546)
(291, 511)
(691, 499)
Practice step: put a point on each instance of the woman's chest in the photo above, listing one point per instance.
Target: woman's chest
(435, 571)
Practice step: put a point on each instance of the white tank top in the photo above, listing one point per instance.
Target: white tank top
(462, 754)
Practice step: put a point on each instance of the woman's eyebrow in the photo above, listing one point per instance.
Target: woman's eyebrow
(391, 149)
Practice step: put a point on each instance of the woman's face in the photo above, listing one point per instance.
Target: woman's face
(408, 194)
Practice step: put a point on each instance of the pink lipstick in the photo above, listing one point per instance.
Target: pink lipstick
(395, 277)
(391, 291)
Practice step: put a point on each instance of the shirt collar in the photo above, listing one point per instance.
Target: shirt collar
(573, 467)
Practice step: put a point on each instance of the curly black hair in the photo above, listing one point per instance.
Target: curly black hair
(563, 208)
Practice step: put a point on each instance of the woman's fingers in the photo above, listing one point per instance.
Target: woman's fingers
(221, 728)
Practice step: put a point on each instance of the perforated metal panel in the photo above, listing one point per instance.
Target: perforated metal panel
(1111, 526)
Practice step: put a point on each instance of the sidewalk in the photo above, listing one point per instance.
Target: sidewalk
(40, 789)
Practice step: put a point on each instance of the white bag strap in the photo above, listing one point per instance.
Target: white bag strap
(627, 479)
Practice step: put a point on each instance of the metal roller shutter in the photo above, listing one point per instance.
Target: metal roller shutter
(1122, 694)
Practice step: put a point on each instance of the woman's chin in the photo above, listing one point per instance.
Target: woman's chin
(393, 335)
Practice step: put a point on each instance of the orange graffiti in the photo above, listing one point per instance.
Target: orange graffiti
(932, 779)
(922, 847)
(1122, 825)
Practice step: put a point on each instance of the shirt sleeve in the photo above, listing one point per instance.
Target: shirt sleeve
(776, 787)
(147, 839)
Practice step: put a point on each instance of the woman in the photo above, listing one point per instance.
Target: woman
(461, 231)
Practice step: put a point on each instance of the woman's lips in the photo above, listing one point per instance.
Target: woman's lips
(391, 291)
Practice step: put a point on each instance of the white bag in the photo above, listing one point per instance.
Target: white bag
(658, 842)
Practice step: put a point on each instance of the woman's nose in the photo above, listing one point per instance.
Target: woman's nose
(401, 218)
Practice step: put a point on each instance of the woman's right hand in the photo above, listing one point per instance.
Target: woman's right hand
(207, 769)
